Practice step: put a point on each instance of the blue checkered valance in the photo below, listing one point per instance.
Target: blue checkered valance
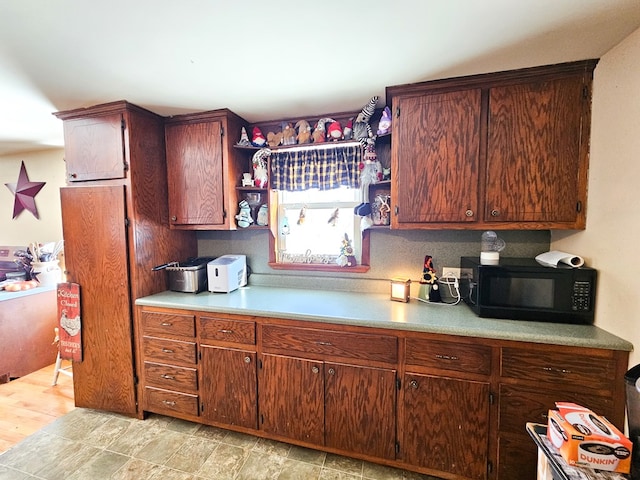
(324, 166)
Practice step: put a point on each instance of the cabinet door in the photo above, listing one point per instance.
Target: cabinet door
(93, 223)
(292, 398)
(360, 409)
(229, 386)
(446, 424)
(534, 162)
(435, 154)
(195, 173)
(94, 148)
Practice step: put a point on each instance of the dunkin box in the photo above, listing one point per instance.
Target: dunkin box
(585, 439)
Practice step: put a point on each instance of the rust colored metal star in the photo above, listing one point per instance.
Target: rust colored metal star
(25, 193)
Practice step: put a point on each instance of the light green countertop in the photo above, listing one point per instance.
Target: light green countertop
(376, 310)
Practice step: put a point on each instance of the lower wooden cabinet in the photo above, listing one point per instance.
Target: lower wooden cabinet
(292, 398)
(228, 388)
(448, 406)
(446, 424)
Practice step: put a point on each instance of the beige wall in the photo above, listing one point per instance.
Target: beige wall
(611, 242)
(42, 166)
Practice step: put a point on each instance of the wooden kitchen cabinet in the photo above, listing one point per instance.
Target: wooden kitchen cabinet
(436, 158)
(202, 170)
(229, 385)
(534, 377)
(308, 396)
(444, 420)
(443, 405)
(94, 147)
(499, 150)
(114, 221)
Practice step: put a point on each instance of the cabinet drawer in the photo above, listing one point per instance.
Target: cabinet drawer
(520, 404)
(568, 369)
(227, 330)
(168, 324)
(458, 357)
(331, 343)
(169, 351)
(158, 400)
(170, 377)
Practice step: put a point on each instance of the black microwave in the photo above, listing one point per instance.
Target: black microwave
(522, 289)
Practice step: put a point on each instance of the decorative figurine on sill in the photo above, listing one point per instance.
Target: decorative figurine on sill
(385, 122)
(361, 128)
(244, 216)
(288, 134)
(244, 139)
(347, 133)
(263, 215)
(334, 132)
(258, 139)
(347, 257)
(304, 132)
(260, 172)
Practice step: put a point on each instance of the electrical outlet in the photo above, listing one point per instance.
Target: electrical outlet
(451, 272)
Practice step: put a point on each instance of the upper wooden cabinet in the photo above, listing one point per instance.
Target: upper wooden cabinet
(94, 146)
(202, 170)
(500, 150)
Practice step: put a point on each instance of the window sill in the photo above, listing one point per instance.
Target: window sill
(319, 268)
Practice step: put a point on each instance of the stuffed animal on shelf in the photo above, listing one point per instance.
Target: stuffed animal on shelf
(304, 132)
(260, 172)
(384, 125)
(258, 139)
(244, 215)
(288, 134)
(361, 128)
(347, 133)
(334, 132)
(320, 133)
(274, 139)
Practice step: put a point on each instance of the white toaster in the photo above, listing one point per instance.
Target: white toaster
(227, 273)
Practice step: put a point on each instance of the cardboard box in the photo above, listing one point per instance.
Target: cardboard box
(585, 439)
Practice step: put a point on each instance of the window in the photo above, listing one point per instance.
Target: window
(316, 192)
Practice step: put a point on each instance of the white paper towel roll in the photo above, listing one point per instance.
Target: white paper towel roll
(554, 257)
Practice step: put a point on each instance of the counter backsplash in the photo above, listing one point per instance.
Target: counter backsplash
(393, 253)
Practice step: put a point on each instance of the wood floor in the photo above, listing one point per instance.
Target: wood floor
(29, 403)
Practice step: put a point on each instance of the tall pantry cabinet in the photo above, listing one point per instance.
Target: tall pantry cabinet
(115, 228)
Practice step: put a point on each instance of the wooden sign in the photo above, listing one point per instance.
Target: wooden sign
(69, 322)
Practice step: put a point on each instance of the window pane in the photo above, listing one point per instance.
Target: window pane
(312, 226)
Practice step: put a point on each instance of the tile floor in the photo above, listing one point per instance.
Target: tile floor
(91, 445)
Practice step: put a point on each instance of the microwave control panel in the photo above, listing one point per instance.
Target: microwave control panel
(581, 299)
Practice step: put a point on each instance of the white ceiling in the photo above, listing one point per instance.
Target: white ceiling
(270, 59)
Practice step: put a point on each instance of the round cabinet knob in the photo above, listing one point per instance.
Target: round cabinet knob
(73, 175)
(495, 213)
(413, 384)
(247, 359)
(315, 369)
(332, 371)
(469, 213)
(174, 218)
